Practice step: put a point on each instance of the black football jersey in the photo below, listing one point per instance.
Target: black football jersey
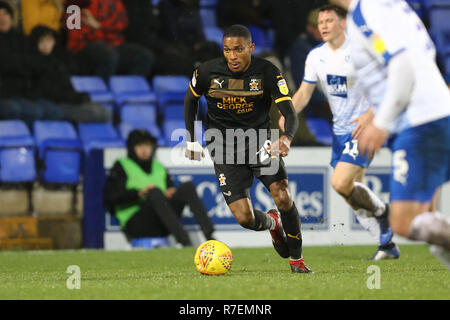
(239, 101)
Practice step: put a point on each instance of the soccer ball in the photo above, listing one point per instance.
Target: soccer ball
(213, 257)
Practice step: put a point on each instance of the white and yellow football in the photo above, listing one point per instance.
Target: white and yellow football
(213, 258)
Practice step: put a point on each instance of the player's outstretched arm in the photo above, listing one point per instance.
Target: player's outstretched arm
(194, 150)
(299, 100)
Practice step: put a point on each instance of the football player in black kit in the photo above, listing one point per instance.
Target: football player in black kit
(239, 89)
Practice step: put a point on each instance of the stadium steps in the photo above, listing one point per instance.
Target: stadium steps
(26, 244)
(22, 233)
(40, 233)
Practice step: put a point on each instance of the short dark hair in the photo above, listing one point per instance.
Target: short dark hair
(341, 12)
(237, 30)
(5, 5)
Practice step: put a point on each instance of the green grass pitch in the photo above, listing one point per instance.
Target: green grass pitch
(257, 273)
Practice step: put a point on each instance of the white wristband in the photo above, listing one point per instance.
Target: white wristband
(194, 146)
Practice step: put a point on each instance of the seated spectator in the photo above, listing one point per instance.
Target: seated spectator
(140, 193)
(41, 12)
(100, 45)
(53, 84)
(16, 73)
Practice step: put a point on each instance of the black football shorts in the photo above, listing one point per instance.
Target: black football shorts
(235, 180)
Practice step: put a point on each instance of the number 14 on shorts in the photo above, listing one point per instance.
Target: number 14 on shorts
(351, 148)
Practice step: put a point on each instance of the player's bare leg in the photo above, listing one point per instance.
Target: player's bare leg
(358, 196)
(415, 221)
(435, 200)
(347, 181)
(291, 224)
(249, 218)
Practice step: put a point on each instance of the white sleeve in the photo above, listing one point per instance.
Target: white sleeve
(385, 25)
(310, 75)
(400, 83)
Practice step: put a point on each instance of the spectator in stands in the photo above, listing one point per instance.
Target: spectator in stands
(302, 45)
(183, 29)
(100, 45)
(140, 193)
(297, 53)
(288, 18)
(53, 84)
(16, 72)
(41, 12)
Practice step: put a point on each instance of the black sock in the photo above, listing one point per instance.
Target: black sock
(262, 221)
(291, 226)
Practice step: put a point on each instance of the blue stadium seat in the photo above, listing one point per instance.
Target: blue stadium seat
(170, 90)
(435, 3)
(261, 39)
(438, 16)
(202, 108)
(94, 86)
(447, 65)
(60, 151)
(417, 6)
(208, 17)
(163, 84)
(16, 152)
(321, 129)
(138, 113)
(214, 34)
(131, 89)
(208, 3)
(177, 128)
(99, 136)
(88, 84)
(15, 133)
(125, 129)
(17, 165)
(173, 112)
(150, 243)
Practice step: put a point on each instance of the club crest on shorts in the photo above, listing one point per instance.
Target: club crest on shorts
(222, 179)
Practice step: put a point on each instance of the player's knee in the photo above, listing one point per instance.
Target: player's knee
(342, 186)
(281, 196)
(283, 201)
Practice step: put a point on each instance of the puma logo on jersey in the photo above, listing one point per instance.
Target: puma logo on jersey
(219, 83)
(294, 237)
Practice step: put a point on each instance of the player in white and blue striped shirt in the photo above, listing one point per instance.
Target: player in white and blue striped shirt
(330, 65)
(394, 59)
